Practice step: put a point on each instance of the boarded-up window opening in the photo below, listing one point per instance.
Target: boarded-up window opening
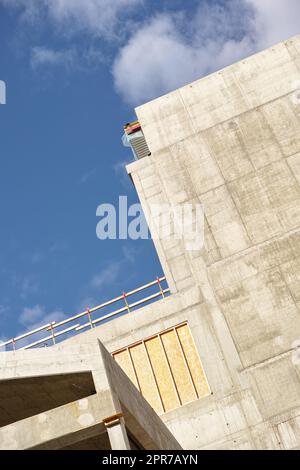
(166, 368)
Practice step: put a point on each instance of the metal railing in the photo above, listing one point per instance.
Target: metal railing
(56, 333)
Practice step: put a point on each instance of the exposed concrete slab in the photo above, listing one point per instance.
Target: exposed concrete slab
(59, 427)
(21, 398)
(237, 153)
(118, 436)
(230, 141)
(51, 426)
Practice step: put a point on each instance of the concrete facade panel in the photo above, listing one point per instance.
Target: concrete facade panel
(230, 141)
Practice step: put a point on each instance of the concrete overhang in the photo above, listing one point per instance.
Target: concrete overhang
(79, 404)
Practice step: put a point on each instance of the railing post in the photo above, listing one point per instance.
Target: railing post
(160, 287)
(126, 303)
(89, 316)
(53, 325)
(52, 331)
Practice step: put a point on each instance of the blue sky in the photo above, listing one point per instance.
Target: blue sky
(74, 71)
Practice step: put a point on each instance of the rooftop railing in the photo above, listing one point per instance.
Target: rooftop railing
(54, 331)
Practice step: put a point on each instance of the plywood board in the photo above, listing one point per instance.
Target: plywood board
(123, 359)
(178, 367)
(162, 374)
(193, 360)
(145, 377)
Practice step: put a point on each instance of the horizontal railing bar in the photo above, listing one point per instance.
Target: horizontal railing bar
(146, 299)
(75, 317)
(109, 302)
(77, 327)
(37, 330)
(26, 335)
(146, 286)
(36, 343)
(59, 333)
(66, 330)
(50, 337)
(123, 309)
(109, 315)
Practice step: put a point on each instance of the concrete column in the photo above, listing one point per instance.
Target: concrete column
(117, 435)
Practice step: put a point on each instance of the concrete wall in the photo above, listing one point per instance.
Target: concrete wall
(231, 141)
(85, 415)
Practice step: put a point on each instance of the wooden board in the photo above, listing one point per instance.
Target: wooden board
(162, 374)
(193, 360)
(166, 369)
(178, 367)
(145, 377)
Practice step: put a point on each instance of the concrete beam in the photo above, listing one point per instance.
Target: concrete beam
(117, 434)
(54, 360)
(141, 420)
(61, 426)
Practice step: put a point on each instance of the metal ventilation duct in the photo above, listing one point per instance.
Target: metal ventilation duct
(135, 139)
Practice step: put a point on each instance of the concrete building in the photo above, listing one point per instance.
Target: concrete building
(219, 359)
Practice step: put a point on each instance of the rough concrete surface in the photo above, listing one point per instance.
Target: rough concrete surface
(230, 141)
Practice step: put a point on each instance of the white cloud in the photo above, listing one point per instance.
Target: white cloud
(3, 314)
(29, 285)
(171, 49)
(58, 247)
(30, 315)
(36, 257)
(275, 20)
(3, 357)
(33, 317)
(167, 50)
(44, 56)
(2, 310)
(70, 59)
(130, 253)
(87, 176)
(108, 275)
(88, 302)
(97, 17)
(121, 173)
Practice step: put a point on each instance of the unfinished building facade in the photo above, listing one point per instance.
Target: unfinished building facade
(216, 364)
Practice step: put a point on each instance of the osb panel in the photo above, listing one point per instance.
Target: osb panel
(178, 367)
(193, 360)
(175, 364)
(123, 359)
(162, 374)
(145, 377)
